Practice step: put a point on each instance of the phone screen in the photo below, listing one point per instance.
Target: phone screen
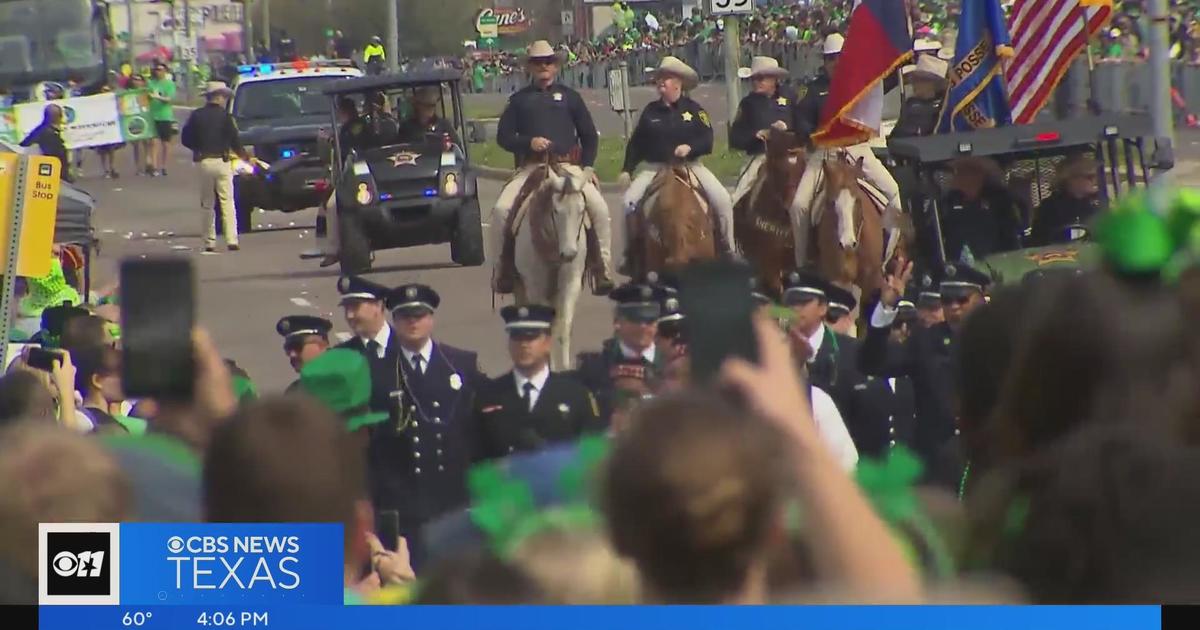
(157, 317)
(41, 359)
(718, 313)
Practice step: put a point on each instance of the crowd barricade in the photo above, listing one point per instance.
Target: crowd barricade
(1120, 86)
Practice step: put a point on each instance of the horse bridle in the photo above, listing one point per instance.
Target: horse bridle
(553, 165)
(819, 189)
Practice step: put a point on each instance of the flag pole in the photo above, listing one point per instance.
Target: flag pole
(1093, 101)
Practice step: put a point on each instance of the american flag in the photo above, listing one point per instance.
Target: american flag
(1046, 35)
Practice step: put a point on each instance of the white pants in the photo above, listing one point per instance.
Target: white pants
(216, 178)
(597, 210)
(876, 174)
(749, 175)
(718, 196)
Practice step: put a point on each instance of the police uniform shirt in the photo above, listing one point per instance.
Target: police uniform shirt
(664, 127)
(927, 358)
(558, 114)
(756, 113)
(210, 132)
(1056, 213)
(563, 410)
(808, 110)
(918, 117)
(882, 416)
(987, 225)
(354, 134)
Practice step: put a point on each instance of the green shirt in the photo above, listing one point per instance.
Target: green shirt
(162, 111)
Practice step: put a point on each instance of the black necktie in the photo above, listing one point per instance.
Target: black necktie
(373, 347)
(528, 387)
(418, 364)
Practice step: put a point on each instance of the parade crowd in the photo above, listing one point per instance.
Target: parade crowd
(938, 439)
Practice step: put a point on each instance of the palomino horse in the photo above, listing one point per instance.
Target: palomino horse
(762, 220)
(849, 232)
(550, 252)
(676, 228)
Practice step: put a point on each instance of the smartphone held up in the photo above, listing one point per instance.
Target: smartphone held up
(158, 314)
(718, 309)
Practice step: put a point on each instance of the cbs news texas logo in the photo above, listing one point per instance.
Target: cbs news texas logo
(78, 563)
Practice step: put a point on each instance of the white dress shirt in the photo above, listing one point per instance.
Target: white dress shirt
(832, 430)
(426, 353)
(815, 341)
(382, 338)
(538, 380)
(630, 353)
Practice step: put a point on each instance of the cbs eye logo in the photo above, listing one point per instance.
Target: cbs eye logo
(78, 563)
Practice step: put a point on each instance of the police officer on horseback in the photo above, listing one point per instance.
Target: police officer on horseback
(808, 122)
(548, 118)
(769, 106)
(675, 127)
(919, 114)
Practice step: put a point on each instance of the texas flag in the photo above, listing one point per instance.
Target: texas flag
(878, 42)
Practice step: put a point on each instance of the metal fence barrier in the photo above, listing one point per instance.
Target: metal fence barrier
(1120, 86)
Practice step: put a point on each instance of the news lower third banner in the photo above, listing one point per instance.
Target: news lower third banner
(290, 576)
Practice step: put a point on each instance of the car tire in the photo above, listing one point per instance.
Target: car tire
(354, 249)
(466, 246)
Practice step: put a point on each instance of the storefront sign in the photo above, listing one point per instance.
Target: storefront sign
(505, 21)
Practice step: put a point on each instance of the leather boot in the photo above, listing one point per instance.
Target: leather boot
(505, 280)
(721, 240)
(633, 245)
(602, 282)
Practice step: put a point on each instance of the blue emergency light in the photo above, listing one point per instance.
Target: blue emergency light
(245, 69)
(266, 68)
(287, 153)
(430, 192)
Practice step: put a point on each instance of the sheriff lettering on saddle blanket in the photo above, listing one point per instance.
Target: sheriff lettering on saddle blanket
(548, 118)
(675, 127)
(810, 190)
(769, 106)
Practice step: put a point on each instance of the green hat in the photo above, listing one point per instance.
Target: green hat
(341, 379)
(47, 291)
(1133, 238)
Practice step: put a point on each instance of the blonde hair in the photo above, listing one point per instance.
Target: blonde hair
(577, 567)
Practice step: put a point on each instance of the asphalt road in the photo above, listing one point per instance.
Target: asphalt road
(243, 294)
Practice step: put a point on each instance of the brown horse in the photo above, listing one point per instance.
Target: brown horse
(675, 225)
(849, 234)
(762, 220)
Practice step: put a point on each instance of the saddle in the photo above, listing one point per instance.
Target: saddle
(661, 180)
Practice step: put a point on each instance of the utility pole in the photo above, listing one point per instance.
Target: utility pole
(129, 28)
(393, 36)
(266, 24)
(188, 75)
(1160, 80)
(733, 49)
(247, 32)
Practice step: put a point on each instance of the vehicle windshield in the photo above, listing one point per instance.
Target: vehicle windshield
(282, 98)
(48, 40)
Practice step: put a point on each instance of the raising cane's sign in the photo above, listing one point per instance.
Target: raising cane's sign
(505, 21)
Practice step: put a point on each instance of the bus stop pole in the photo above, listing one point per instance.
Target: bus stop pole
(733, 49)
(8, 292)
(625, 100)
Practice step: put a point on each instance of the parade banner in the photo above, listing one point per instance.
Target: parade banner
(91, 121)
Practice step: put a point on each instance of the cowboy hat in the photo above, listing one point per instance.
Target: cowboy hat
(541, 49)
(673, 66)
(763, 67)
(217, 87)
(833, 44)
(929, 68)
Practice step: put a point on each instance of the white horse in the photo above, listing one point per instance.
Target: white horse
(551, 248)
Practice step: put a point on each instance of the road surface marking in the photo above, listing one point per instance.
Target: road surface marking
(302, 302)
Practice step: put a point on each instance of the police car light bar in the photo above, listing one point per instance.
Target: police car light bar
(1041, 138)
(268, 68)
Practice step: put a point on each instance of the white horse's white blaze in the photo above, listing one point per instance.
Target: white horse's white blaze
(844, 205)
(560, 283)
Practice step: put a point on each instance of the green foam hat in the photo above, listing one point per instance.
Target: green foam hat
(341, 379)
(1134, 239)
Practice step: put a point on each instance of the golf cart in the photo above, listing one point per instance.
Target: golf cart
(1028, 157)
(401, 194)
